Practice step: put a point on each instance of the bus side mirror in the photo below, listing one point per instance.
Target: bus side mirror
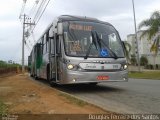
(60, 28)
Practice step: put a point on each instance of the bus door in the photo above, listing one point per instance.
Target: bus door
(52, 66)
(58, 59)
(54, 58)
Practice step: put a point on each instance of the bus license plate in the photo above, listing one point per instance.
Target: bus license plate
(102, 77)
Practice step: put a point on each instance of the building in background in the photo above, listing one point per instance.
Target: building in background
(143, 48)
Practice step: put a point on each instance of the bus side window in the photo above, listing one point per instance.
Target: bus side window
(52, 46)
(51, 37)
(47, 42)
(41, 46)
(58, 45)
(44, 45)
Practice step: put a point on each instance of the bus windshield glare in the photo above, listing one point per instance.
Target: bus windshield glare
(90, 39)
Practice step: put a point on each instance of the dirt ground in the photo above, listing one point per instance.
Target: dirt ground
(22, 95)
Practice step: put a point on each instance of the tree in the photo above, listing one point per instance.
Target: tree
(152, 31)
(127, 50)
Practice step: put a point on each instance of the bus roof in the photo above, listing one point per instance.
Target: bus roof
(64, 18)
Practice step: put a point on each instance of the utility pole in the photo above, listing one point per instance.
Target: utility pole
(136, 37)
(23, 38)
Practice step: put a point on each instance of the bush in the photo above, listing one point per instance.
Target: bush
(6, 67)
(151, 67)
(133, 61)
(3, 109)
(156, 66)
(143, 61)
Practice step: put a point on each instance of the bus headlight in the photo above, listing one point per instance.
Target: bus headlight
(70, 66)
(125, 67)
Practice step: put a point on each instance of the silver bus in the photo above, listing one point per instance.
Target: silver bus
(76, 50)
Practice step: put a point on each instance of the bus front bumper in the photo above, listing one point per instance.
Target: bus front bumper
(75, 77)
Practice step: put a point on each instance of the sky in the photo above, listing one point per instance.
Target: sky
(117, 12)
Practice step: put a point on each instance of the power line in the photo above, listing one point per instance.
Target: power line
(30, 43)
(27, 46)
(27, 23)
(34, 7)
(43, 11)
(33, 37)
(39, 10)
(41, 15)
(23, 7)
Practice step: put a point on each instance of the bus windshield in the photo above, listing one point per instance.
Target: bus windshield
(91, 39)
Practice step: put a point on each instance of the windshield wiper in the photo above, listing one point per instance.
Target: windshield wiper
(101, 41)
(88, 51)
(97, 42)
(94, 42)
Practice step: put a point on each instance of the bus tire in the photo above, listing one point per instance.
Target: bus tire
(52, 84)
(31, 75)
(36, 78)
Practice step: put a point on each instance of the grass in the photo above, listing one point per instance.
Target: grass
(3, 108)
(4, 65)
(73, 100)
(155, 75)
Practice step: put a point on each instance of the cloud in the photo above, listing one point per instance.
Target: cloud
(96, 8)
(9, 24)
(9, 7)
(118, 17)
(117, 12)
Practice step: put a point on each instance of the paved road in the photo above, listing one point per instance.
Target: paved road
(135, 96)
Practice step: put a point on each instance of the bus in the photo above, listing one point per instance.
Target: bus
(75, 49)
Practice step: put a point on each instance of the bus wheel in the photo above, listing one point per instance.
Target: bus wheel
(31, 75)
(36, 78)
(52, 84)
